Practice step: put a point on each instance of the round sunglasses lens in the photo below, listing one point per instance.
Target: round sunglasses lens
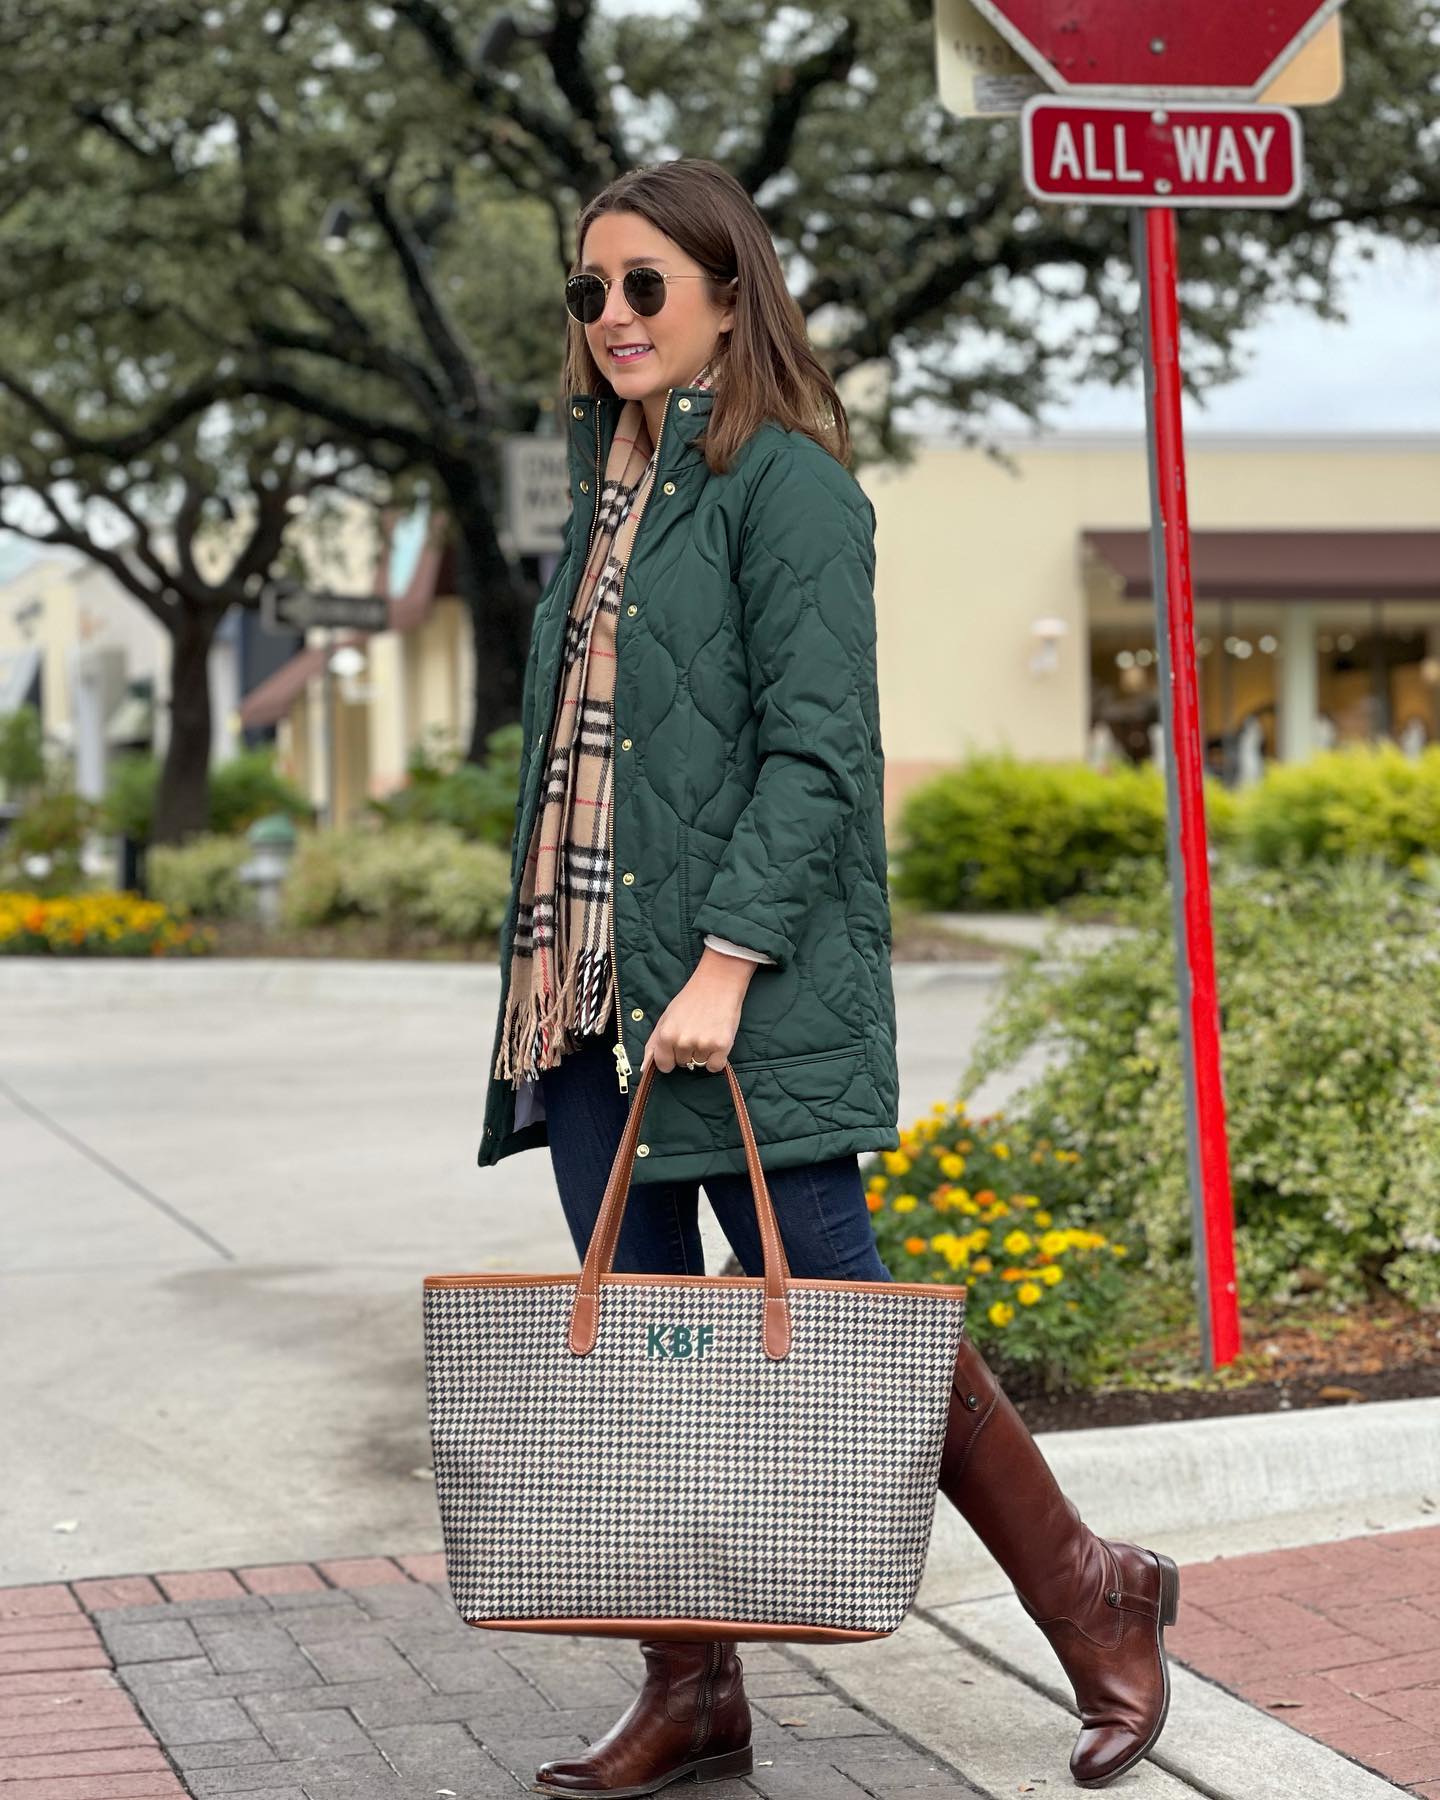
(645, 290)
(585, 298)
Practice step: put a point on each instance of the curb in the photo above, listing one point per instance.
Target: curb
(1224, 1479)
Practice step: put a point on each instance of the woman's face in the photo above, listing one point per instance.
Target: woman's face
(680, 339)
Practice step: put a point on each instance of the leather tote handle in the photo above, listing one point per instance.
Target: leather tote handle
(600, 1255)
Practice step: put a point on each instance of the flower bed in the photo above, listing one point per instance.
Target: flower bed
(100, 924)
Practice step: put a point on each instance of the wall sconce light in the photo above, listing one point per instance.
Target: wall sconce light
(1045, 659)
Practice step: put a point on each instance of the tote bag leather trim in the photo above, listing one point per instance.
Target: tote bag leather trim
(687, 1630)
(936, 1289)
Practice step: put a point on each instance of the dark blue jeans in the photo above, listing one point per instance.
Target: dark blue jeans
(824, 1222)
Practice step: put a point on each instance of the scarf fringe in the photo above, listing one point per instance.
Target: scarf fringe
(541, 1016)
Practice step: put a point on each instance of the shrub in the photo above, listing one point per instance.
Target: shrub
(477, 799)
(242, 789)
(978, 1202)
(409, 876)
(99, 924)
(54, 824)
(1361, 800)
(201, 878)
(1330, 980)
(22, 751)
(246, 787)
(1001, 834)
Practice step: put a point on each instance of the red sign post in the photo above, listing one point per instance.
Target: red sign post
(1179, 49)
(1144, 154)
(1112, 134)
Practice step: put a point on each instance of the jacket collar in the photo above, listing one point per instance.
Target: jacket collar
(591, 420)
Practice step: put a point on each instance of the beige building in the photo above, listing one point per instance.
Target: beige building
(1014, 612)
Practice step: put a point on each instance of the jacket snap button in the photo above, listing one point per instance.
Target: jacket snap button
(624, 743)
(637, 1012)
(630, 611)
(628, 878)
(972, 1401)
(1113, 1597)
(684, 405)
(669, 487)
(584, 487)
(579, 411)
(642, 1149)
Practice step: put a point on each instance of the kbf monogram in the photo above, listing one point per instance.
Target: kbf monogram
(685, 1340)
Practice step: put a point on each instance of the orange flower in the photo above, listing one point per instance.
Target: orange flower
(874, 1202)
(916, 1246)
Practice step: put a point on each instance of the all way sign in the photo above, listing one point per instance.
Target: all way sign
(1137, 153)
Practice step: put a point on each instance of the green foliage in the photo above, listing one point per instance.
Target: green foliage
(1331, 1044)
(243, 789)
(1358, 801)
(478, 799)
(54, 824)
(998, 834)
(423, 877)
(200, 879)
(22, 751)
(129, 803)
(249, 786)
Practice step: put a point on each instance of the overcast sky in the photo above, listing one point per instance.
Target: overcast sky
(1380, 371)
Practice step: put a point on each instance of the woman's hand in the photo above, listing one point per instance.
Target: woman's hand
(703, 1018)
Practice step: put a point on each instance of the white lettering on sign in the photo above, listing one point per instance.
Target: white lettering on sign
(1194, 144)
(1065, 158)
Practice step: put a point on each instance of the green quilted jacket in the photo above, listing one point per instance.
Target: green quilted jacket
(748, 791)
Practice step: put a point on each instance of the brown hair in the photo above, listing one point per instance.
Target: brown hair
(767, 368)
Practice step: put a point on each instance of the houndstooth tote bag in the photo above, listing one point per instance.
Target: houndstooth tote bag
(687, 1456)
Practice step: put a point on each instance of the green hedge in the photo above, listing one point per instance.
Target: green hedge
(423, 877)
(998, 834)
(1330, 981)
(477, 799)
(201, 879)
(1364, 800)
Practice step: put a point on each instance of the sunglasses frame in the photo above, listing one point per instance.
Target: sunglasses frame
(607, 281)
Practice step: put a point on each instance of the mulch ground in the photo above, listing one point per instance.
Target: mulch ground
(1385, 1351)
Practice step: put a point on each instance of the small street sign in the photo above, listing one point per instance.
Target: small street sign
(537, 493)
(1134, 153)
(285, 606)
(1159, 49)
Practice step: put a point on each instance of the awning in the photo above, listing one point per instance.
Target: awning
(417, 563)
(268, 703)
(1287, 565)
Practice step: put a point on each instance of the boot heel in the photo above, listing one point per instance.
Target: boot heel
(719, 1768)
(1169, 1590)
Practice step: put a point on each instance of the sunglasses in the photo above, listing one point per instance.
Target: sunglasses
(644, 289)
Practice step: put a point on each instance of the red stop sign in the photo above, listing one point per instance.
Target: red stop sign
(1230, 49)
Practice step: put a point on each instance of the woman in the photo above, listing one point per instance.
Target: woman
(700, 876)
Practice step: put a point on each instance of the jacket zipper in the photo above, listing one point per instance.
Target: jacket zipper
(623, 1071)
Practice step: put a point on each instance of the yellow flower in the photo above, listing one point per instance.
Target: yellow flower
(1054, 1243)
(964, 1145)
(939, 1106)
(877, 1184)
(1028, 1292)
(1017, 1243)
(916, 1246)
(1042, 1218)
(1051, 1274)
(1001, 1313)
(1029, 1201)
(965, 1203)
(982, 1265)
(1118, 1250)
(905, 1202)
(896, 1161)
(1001, 1150)
(952, 1166)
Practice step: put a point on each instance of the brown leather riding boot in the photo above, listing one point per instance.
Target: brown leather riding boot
(1102, 1605)
(690, 1718)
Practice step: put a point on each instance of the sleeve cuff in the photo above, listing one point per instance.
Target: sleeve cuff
(729, 949)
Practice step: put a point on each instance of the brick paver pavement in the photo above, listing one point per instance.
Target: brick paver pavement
(1340, 1640)
(357, 1680)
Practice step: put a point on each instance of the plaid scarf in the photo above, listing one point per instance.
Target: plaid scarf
(562, 982)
